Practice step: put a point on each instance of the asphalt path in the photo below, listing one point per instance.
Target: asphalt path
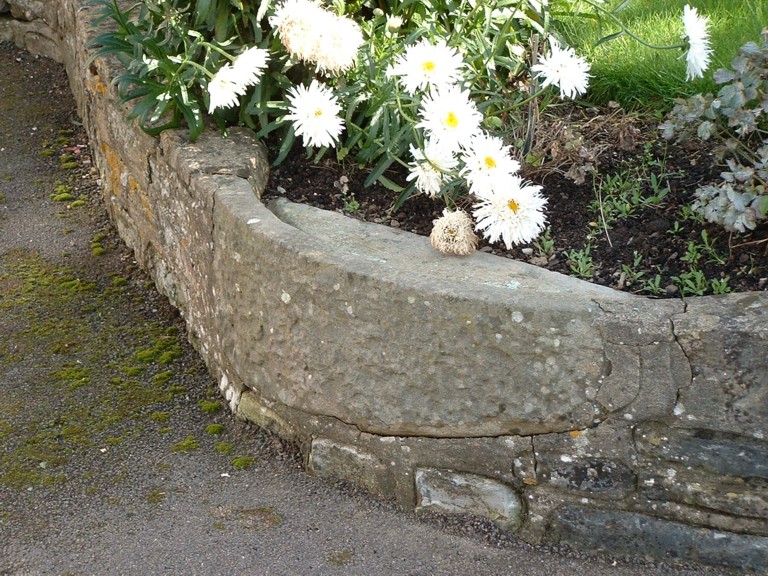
(116, 454)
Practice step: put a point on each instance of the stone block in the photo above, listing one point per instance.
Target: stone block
(456, 493)
(718, 452)
(265, 417)
(747, 498)
(647, 367)
(594, 478)
(638, 534)
(726, 340)
(350, 463)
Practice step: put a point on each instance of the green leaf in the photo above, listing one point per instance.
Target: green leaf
(379, 169)
(389, 184)
(286, 146)
(608, 38)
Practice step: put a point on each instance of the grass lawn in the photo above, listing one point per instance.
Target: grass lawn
(640, 77)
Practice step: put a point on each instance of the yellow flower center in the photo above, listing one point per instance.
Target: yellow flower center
(428, 66)
(451, 120)
(318, 112)
(514, 206)
(489, 162)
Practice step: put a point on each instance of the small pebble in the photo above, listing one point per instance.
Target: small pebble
(671, 290)
(394, 224)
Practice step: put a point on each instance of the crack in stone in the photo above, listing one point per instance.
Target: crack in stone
(687, 359)
(213, 219)
(534, 458)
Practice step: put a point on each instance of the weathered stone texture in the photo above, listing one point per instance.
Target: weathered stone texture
(452, 492)
(637, 534)
(718, 452)
(517, 344)
(350, 463)
(726, 341)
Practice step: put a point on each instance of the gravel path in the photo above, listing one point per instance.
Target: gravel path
(117, 456)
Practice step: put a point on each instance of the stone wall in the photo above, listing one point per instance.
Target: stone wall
(562, 410)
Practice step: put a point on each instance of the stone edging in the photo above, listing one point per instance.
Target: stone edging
(559, 409)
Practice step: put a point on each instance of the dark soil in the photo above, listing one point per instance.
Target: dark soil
(644, 253)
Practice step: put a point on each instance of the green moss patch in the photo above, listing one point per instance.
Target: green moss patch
(89, 389)
(210, 407)
(224, 448)
(242, 462)
(187, 445)
(215, 429)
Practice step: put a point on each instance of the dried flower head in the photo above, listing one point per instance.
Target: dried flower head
(453, 233)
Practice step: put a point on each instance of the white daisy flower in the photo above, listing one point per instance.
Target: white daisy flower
(513, 213)
(424, 64)
(314, 112)
(487, 161)
(449, 117)
(699, 49)
(564, 69)
(431, 166)
(452, 233)
(250, 65)
(314, 35)
(225, 88)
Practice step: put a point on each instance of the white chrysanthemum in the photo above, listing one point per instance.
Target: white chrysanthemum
(431, 166)
(337, 45)
(424, 64)
(452, 233)
(293, 22)
(250, 65)
(487, 161)
(513, 213)
(314, 35)
(225, 88)
(699, 50)
(564, 69)
(449, 117)
(314, 112)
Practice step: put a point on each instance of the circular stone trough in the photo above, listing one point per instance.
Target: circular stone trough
(562, 410)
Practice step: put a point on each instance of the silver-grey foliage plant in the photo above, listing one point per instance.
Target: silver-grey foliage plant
(737, 119)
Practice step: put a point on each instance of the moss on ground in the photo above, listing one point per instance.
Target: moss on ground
(99, 373)
(187, 445)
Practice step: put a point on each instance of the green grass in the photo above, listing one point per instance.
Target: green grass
(638, 77)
